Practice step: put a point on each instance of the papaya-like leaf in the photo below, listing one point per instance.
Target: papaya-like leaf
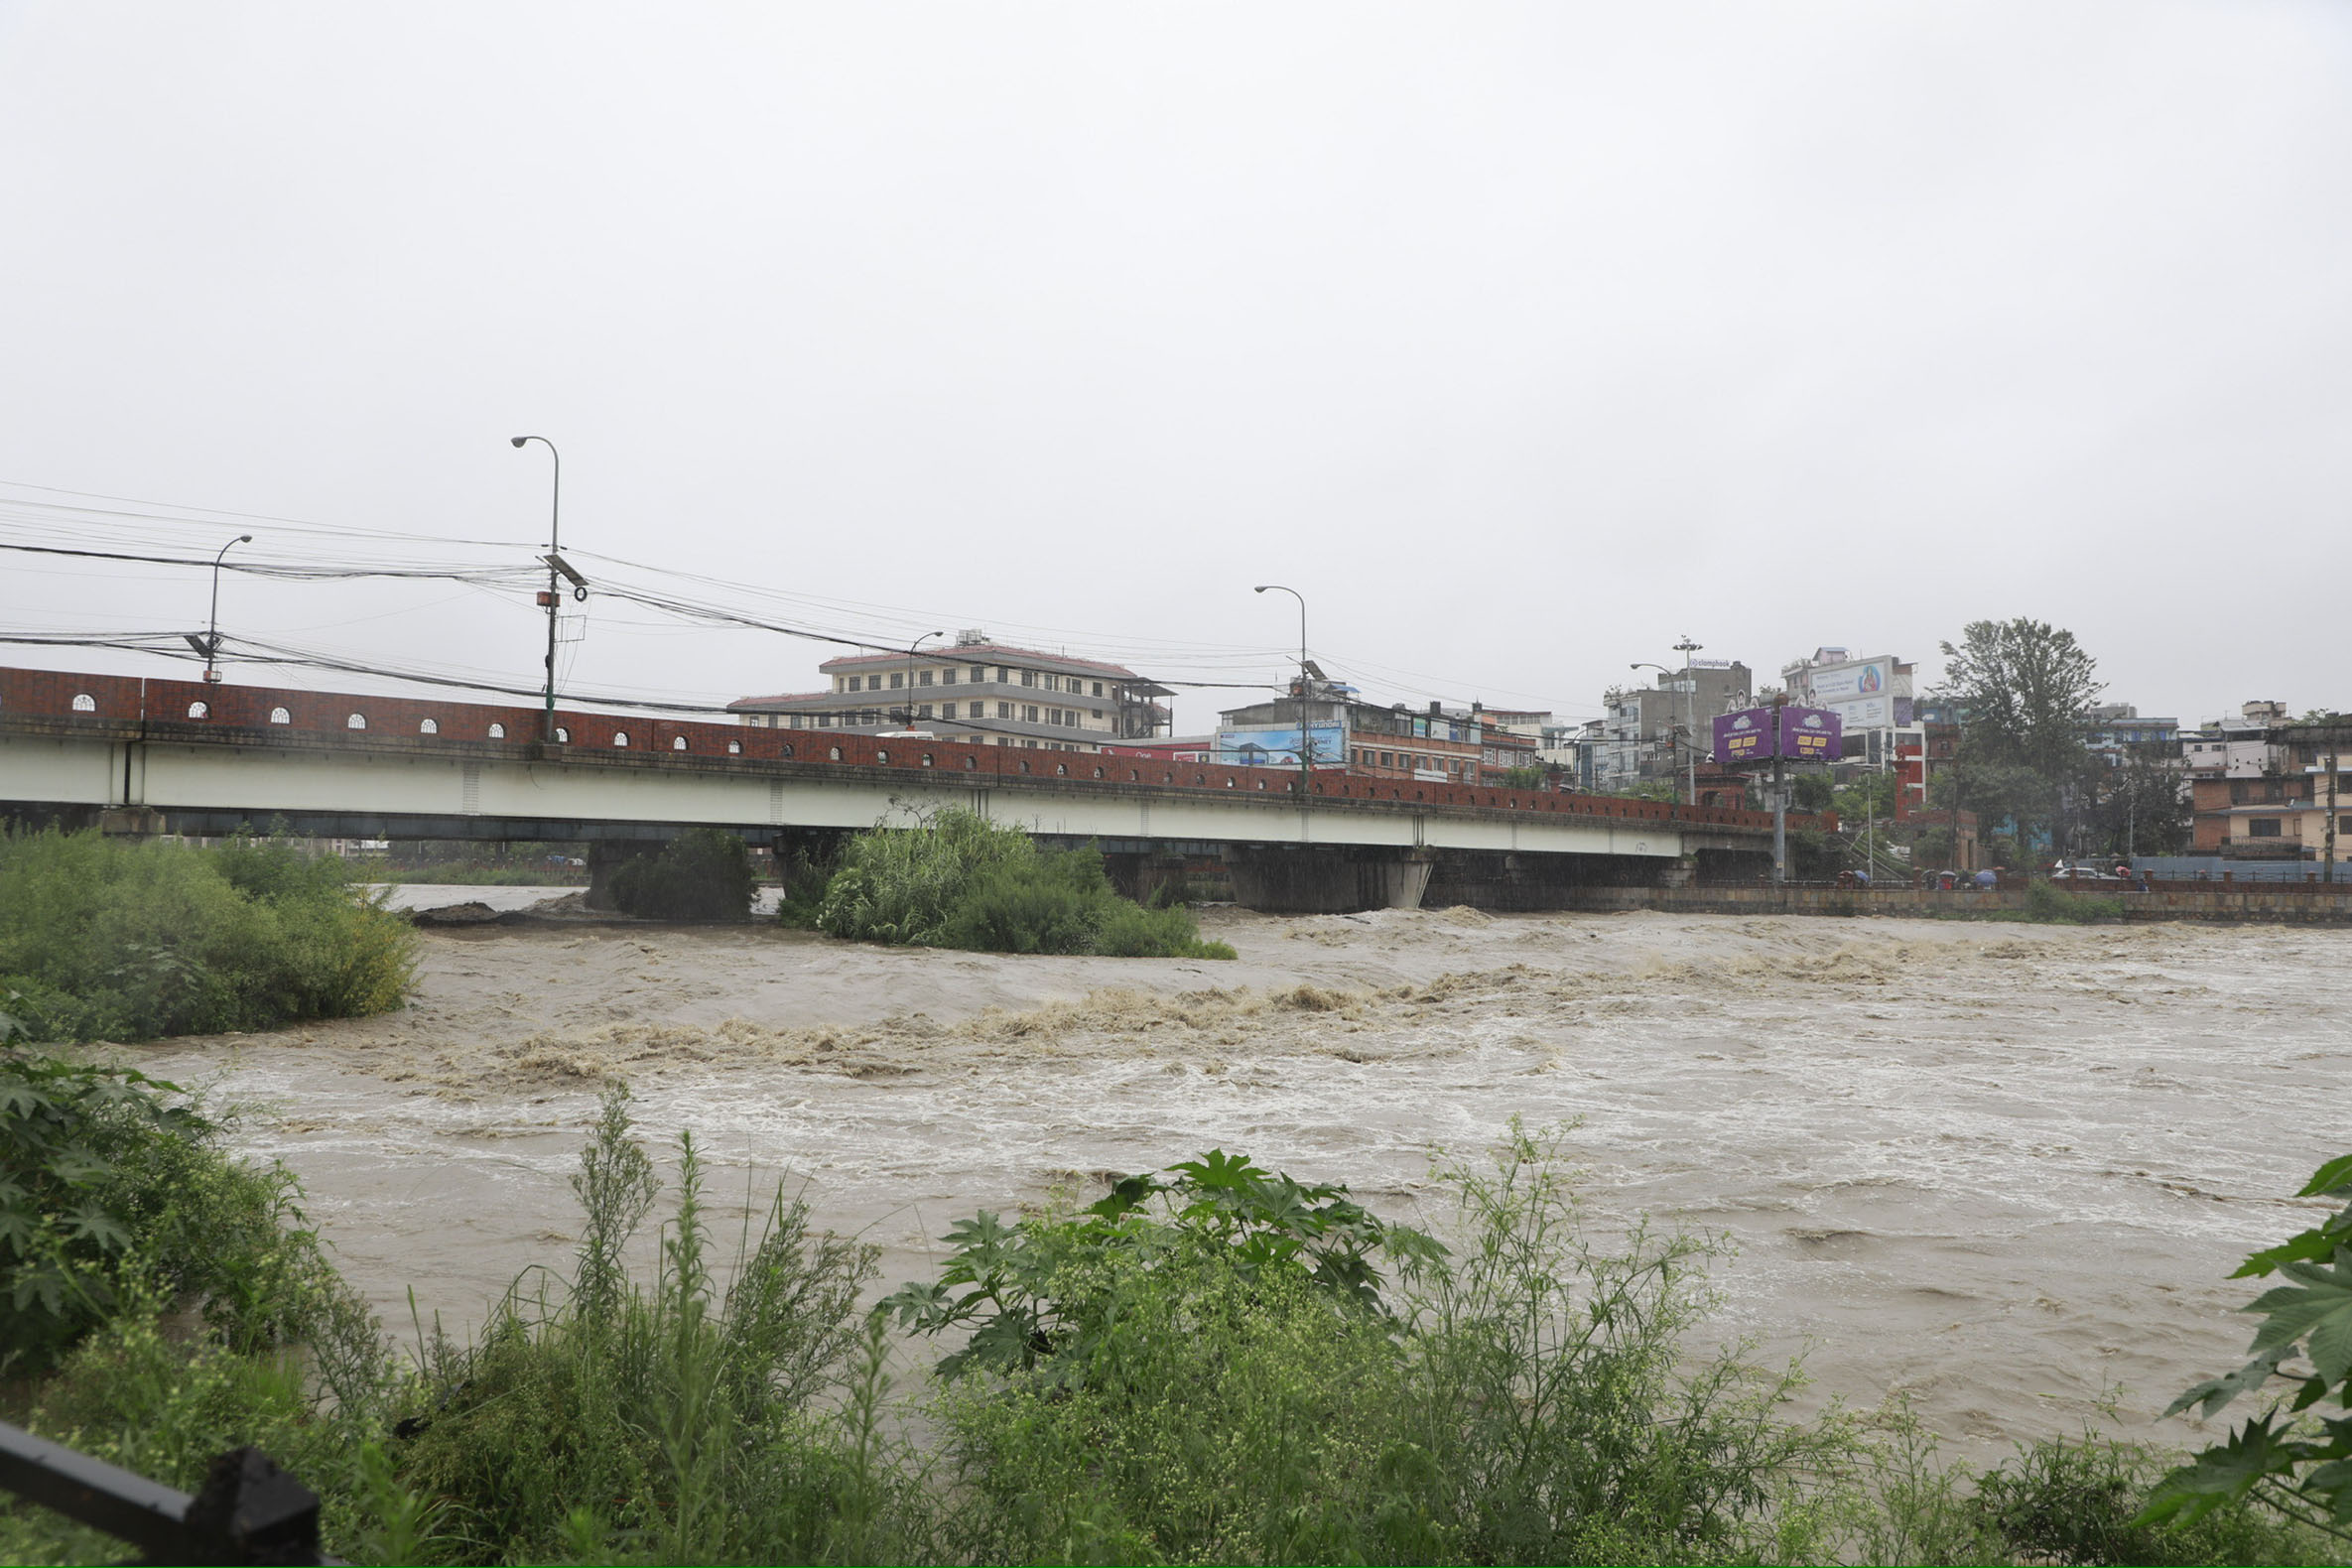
(2214, 1392)
(2224, 1474)
(2335, 1176)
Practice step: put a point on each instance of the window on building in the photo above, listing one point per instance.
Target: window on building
(1097, 688)
(853, 686)
(947, 710)
(1029, 716)
(897, 681)
(923, 678)
(1028, 677)
(1097, 711)
(947, 677)
(2263, 827)
(1003, 676)
(1388, 759)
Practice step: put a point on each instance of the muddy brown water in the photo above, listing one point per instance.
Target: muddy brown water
(2000, 1170)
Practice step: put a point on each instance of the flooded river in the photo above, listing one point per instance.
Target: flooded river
(1999, 1169)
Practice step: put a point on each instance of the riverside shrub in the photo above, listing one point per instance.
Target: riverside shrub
(101, 939)
(957, 881)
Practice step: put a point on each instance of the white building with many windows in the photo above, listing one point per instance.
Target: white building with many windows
(978, 691)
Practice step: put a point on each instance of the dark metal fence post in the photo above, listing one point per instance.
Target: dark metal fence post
(249, 1511)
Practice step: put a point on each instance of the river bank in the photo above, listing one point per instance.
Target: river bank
(1998, 1170)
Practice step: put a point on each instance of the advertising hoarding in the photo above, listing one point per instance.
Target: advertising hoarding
(1744, 736)
(1811, 734)
(1846, 683)
(1806, 734)
(1276, 745)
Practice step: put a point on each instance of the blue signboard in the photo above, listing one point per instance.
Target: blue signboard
(1269, 746)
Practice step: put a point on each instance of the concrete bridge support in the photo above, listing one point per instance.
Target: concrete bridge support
(1504, 881)
(1319, 879)
(606, 856)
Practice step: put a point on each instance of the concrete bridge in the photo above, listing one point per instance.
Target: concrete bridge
(140, 755)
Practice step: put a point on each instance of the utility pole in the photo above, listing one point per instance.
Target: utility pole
(2335, 738)
(1780, 796)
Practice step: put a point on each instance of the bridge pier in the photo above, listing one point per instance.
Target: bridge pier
(1506, 881)
(607, 856)
(1325, 880)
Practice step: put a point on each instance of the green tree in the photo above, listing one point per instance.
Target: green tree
(2140, 808)
(2023, 690)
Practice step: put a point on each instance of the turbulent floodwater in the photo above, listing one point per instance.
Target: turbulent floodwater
(2001, 1170)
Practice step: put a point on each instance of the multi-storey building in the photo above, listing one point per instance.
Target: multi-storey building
(977, 690)
(2237, 748)
(2286, 809)
(1649, 732)
(1439, 745)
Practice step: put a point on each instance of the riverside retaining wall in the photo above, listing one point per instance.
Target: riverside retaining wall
(2288, 904)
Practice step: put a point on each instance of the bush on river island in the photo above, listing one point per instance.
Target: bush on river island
(957, 881)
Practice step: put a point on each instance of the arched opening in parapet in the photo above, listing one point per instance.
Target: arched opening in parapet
(734, 749)
(498, 731)
(279, 716)
(563, 735)
(198, 710)
(84, 703)
(356, 721)
(621, 738)
(676, 743)
(427, 726)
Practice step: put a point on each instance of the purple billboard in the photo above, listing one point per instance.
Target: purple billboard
(1806, 734)
(1811, 734)
(1744, 736)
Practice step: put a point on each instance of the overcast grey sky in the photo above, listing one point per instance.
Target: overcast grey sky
(1521, 338)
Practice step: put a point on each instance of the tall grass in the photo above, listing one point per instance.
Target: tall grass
(954, 880)
(102, 939)
(599, 1418)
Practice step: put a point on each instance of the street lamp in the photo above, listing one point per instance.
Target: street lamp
(213, 635)
(551, 598)
(911, 674)
(1690, 722)
(1304, 736)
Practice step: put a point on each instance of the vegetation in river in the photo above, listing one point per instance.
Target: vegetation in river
(954, 880)
(1214, 1362)
(705, 873)
(103, 938)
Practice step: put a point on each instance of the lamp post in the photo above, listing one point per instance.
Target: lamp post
(555, 528)
(1305, 736)
(212, 635)
(910, 673)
